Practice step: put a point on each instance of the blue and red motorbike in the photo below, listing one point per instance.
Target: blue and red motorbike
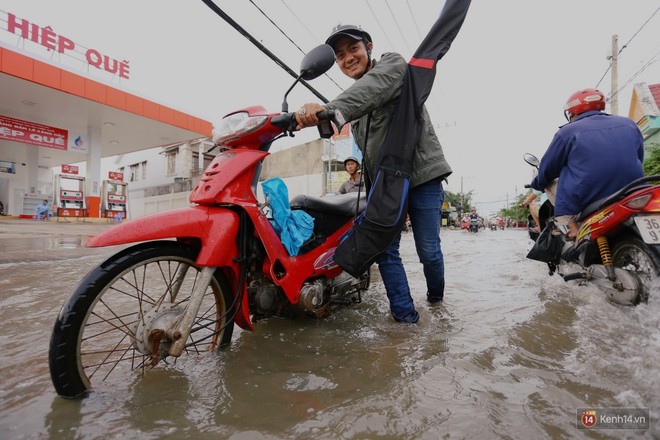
(618, 244)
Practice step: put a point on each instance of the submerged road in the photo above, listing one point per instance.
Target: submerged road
(511, 354)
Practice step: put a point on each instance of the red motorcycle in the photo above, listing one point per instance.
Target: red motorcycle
(618, 244)
(199, 270)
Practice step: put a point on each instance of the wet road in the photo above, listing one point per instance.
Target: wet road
(510, 354)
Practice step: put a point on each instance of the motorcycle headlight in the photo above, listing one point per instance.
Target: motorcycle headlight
(236, 125)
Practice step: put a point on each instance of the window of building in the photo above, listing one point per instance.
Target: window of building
(208, 158)
(133, 172)
(144, 170)
(171, 162)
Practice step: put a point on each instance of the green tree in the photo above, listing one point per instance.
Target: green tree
(461, 201)
(515, 211)
(652, 162)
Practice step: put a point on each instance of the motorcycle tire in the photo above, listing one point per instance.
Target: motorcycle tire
(96, 341)
(632, 254)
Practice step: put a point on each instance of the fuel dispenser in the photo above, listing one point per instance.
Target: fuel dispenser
(114, 197)
(70, 193)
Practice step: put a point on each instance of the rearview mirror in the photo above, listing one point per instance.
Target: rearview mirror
(532, 160)
(317, 61)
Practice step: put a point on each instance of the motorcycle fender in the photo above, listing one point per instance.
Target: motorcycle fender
(215, 227)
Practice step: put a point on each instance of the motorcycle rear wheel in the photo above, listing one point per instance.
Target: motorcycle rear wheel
(633, 255)
(96, 339)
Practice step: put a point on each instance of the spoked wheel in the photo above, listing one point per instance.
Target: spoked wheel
(635, 256)
(111, 327)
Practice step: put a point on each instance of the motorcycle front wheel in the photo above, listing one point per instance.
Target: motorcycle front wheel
(633, 255)
(103, 334)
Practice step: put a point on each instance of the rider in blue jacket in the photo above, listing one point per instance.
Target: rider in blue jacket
(593, 156)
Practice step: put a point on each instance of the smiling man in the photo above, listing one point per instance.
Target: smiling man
(370, 104)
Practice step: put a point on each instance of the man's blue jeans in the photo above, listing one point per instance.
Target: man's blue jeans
(424, 209)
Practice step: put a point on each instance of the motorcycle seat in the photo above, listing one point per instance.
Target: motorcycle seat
(340, 205)
(600, 203)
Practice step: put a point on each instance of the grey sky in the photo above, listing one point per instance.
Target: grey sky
(498, 93)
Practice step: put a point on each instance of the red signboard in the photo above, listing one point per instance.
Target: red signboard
(48, 38)
(31, 133)
(69, 212)
(115, 175)
(69, 169)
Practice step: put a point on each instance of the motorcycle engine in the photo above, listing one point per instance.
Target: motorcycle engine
(313, 300)
(266, 299)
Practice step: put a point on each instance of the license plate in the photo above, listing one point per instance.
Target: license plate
(649, 228)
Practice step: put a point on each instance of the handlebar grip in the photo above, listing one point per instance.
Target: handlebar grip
(527, 185)
(325, 126)
(287, 121)
(326, 115)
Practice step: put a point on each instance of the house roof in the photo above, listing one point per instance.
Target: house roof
(645, 101)
(655, 92)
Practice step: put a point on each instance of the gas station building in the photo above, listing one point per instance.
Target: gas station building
(51, 117)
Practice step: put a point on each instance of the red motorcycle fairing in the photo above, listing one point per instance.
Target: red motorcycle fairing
(281, 267)
(227, 177)
(607, 220)
(215, 227)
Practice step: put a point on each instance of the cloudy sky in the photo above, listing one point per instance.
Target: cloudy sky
(498, 93)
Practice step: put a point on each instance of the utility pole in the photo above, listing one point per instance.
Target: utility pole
(614, 98)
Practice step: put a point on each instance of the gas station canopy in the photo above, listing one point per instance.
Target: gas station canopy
(41, 93)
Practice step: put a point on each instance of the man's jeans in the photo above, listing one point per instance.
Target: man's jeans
(424, 209)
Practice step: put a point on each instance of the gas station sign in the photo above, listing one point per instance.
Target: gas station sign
(115, 175)
(69, 169)
(27, 132)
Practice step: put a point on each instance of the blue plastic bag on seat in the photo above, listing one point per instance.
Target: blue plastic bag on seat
(293, 227)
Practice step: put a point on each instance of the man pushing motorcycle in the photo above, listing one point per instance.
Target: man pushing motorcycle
(370, 103)
(592, 156)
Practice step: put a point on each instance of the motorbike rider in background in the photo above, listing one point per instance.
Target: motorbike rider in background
(369, 104)
(533, 202)
(354, 181)
(474, 220)
(594, 155)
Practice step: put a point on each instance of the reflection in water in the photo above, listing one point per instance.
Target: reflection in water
(64, 421)
(511, 353)
(159, 402)
(317, 371)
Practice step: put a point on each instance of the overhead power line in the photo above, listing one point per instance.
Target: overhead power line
(403, 37)
(626, 45)
(215, 8)
(419, 33)
(380, 25)
(302, 23)
(289, 38)
(653, 59)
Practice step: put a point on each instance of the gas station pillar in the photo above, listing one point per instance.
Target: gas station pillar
(94, 173)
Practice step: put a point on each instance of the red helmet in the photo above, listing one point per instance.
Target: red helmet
(584, 101)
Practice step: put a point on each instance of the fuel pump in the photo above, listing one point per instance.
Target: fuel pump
(114, 197)
(70, 193)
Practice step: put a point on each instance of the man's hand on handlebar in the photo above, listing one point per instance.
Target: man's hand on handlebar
(306, 115)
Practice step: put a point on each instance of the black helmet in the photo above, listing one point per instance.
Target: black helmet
(347, 30)
(353, 158)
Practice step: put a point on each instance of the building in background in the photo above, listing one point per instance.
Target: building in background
(645, 111)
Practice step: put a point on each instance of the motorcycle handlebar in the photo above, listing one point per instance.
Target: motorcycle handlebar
(287, 121)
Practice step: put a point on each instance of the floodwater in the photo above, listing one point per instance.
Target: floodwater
(511, 354)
